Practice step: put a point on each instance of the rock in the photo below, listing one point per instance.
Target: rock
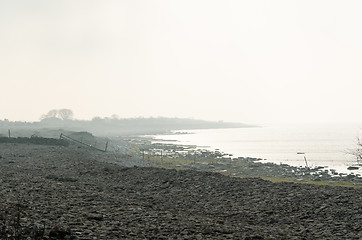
(112, 202)
(254, 237)
(38, 231)
(353, 168)
(59, 232)
(96, 217)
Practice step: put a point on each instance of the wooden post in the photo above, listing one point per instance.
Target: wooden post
(306, 163)
(106, 146)
(9, 134)
(61, 135)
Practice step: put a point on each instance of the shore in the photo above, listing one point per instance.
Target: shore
(175, 156)
(57, 192)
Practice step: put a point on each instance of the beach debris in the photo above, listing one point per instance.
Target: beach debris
(353, 168)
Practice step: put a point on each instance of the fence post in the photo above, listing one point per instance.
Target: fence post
(9, 134)
(306, 163)
(106, 146)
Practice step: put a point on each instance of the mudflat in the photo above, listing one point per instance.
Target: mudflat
(56, 192)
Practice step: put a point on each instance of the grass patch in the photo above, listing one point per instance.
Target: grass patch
(308, 181)
(232, 170)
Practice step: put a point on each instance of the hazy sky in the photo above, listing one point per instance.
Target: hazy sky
(247, 61)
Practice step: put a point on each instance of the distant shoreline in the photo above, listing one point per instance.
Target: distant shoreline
(107, 127)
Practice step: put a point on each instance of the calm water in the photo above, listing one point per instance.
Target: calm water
(323, 145)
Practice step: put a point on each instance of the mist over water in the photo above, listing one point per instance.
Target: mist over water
(322, 145)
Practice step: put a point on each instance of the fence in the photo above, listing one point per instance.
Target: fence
(65, 137)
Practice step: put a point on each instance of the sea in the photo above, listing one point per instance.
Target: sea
(312, 145)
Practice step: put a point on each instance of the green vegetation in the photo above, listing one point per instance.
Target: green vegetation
(245, 169)
(327, 183)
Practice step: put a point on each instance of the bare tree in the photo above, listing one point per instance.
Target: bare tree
(97, 119)
(65, 114)
(51, 114)
(357, 152)
(115, 116)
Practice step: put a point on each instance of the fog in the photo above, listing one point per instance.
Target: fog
(254, 62)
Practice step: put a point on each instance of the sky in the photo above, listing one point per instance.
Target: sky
(253, 62)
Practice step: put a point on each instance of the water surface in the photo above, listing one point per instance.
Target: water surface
(322, 145)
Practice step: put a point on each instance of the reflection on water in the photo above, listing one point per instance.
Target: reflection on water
(322, 145)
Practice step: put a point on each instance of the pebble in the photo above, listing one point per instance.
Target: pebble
(70, 193)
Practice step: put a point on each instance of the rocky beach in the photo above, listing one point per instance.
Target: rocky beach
(72, 192)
